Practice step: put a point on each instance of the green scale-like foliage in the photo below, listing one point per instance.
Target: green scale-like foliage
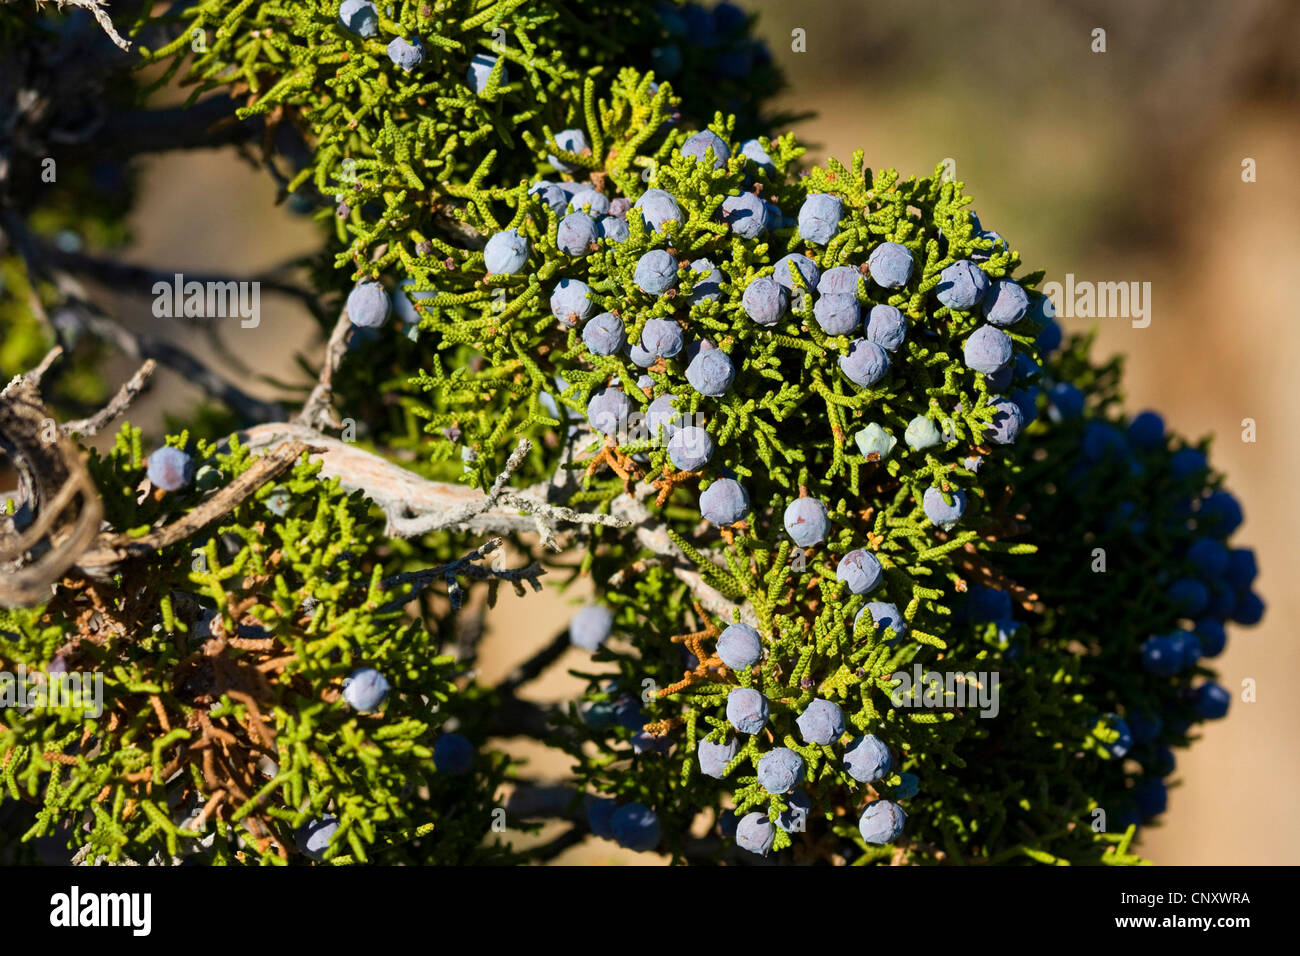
(222, 660)
(422, 131)
(1038, 781)
(420, 171)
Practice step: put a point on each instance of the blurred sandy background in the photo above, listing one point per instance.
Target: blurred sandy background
(1116, 166)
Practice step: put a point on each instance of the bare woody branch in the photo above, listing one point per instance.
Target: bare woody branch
(416, 505)
(110, 550)
(97, 10)
(464, 566)
(116, 406)
(318, 412)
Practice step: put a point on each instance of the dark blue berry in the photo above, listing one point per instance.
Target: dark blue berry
(865, 364)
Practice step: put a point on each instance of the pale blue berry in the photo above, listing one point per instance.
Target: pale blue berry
(787, 266)
(590, 201)
(837, 313)
(865, 364)
(658, 209)
(806, 522)
(746, 710)
(368, 305)
(644, 742)
(740, 647)
(608, 411)
(860, 570)
(551, 195)
(402, 301)
(821, 723)
(690, 448)
(707, 287)
(714, 758)
(754, 151)
(908, 786)
(819, 219)
(842, 280)
(867, 759)
(590, 627)
(711, 372)
(1005, 303)
(885, 616)
(604, 335)
(571, 302)
(614, 229)
(961, 286)
(699, 143)
(874, 440)
(635, 827)
(480, 71)
(661, 414)
(506, 252)
(662, 338)
(999, 245)
(944, 514)
(359, 16)
(365, 689)
(890, 264)
(887, 327)
(406, 54)
(641, 357)
(765, 301)
(922, 433)
(724, 502)
(987, 350)
(1007, 421)
(655, 272)
(170, 468)
(882, 822)
(278, 502)
(779, 770)
(571, 141)
(746, 214)
(313, 838)
(755, 833)
(794, 818)
(576, 234)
